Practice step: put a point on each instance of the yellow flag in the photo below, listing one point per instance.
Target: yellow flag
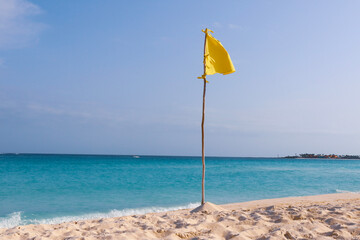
(216, 58)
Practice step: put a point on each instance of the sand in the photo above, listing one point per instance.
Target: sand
(332, 216)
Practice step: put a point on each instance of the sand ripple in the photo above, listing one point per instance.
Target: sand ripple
(335, 216)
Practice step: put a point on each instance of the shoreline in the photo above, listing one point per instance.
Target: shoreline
(326, 216)
(331, 197)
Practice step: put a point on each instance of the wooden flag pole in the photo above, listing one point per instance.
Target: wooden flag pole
(203, 147)
(202, 130)
(220, 63)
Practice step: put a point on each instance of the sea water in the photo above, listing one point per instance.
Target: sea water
(38, 188)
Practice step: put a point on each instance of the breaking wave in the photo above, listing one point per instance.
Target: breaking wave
(16, 218)
(344, 191)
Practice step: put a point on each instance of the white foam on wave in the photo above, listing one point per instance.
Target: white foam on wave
(11, 220)
(344, 191)
(341, 191)
(15, 219)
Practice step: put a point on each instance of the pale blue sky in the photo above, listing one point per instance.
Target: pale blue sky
(119, 77)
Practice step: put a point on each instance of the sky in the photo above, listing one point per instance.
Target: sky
(120, 77)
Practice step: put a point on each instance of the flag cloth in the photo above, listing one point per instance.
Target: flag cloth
(216, 58)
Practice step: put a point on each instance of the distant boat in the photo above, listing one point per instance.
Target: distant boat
(136, 156)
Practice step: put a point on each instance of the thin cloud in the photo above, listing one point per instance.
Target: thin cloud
(231, 26)
(217, 25)
(17, 28)
(94, 114)
(234, 26)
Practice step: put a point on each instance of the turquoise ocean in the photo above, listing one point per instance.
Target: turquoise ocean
(39, 188)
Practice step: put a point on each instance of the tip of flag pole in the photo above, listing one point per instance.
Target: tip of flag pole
(207, 30)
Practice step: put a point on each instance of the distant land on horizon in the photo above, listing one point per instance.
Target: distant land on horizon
(328, 156)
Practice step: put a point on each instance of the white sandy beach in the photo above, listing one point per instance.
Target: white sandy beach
(332, 216)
